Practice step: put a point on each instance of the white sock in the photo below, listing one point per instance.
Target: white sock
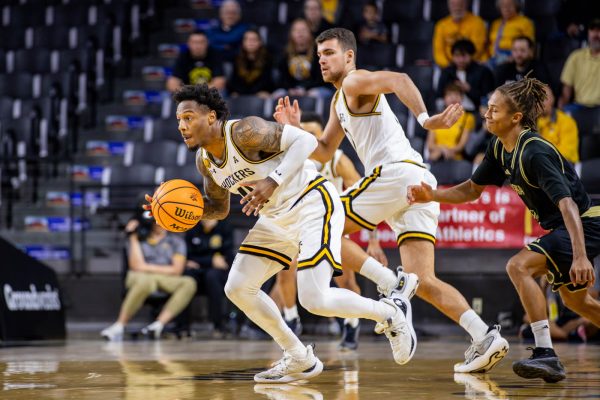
(353, 322)
(473, 324)
(541, 332)
(118, 325)
(378, 273)
(290, 313)
(156, 326)
(297, 351)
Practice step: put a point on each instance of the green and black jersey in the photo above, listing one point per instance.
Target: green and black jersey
(539, 174)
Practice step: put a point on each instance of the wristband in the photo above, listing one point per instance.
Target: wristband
(422, 118)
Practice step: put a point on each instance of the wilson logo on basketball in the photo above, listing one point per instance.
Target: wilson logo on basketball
(179, 212)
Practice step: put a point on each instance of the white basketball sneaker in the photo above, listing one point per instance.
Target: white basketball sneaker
(113, 333)
(398, 329)
(290, 369)
(482, 355)
(406, 283)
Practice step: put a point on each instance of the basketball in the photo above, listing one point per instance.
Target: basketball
(177, 205)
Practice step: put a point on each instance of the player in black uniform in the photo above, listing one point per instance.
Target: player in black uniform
(550, 188)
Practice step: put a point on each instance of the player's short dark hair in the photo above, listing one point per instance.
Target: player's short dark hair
(463, 46)
(344, 37)
(530, 42)
(526, 96)
(311, 116)
(204, 96)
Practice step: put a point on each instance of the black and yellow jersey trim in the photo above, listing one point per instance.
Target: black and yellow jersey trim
(241, 153)
(267, 253)
(367, 114)
(225, 156)
(592, 212)
(553, 271)
(414, 235)
(347, 199)
(318, 181)
(324, 252)
(562, 165)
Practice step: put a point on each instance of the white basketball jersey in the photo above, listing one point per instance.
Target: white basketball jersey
(376, 136)
(329, 171)
(235, 169)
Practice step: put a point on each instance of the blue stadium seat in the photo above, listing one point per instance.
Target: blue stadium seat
(244, 106)
(376, 56)
(590, 175)
(158, 153)
(394, 11)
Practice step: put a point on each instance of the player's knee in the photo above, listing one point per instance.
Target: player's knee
(233, 290)
(311, 301)
(515, 267)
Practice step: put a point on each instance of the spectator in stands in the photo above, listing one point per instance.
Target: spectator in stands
(226, 38)
(580, 74)
(299, 71)
(460, 24)
(210, 253)
(475, 80)
(448, 144)
(197, 64)
(574, 15)
(252, 68)
(371, 29)
(559, 128)
(505, 29)
(523, 62)
(156, 261)
(313, 13)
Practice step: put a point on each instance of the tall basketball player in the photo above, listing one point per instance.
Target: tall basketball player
(300, 215)
(359, 111)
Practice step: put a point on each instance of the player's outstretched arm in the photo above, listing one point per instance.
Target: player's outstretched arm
(461, 193)
(216, 199)
(256, 134)
(287, 112)
(364, 82)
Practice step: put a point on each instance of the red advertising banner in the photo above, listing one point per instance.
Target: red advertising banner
(498, 219)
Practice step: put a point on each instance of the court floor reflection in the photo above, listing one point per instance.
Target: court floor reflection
(223, 370)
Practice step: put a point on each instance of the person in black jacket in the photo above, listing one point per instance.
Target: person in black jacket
(523, 62)
(210, 253)
(474, 79)
(252, 68)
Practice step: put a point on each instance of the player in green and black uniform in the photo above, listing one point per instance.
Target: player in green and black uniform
(550, 188)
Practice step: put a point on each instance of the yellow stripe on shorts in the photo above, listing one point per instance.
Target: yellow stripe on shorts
(415, 235)
(267, 253)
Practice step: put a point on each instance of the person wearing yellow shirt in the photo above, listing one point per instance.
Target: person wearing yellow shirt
(559, 128)
(448, 144)
(460, 24)
(505, 29)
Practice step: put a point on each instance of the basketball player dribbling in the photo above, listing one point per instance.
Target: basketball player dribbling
(359, 111)
(300, 213)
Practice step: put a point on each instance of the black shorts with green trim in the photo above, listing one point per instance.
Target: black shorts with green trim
(556, 246)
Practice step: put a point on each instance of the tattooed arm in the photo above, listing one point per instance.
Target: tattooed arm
(254, 134)
(216, 199)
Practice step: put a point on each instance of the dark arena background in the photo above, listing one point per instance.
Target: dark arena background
(87, 126)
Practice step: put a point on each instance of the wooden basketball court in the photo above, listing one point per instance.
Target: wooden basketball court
(220, 370)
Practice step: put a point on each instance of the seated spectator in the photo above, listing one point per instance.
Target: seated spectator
(197, 64)
(252, 68)
(313, 13)
(559, 128)
(210, 253)
(580, 74)
(371, 29)
(574, 15)
(156, 261)
(448, 144)
(299, 71)
(523, 62)
(226, 38)
(505, 29)
(475, 80)
(460, 24)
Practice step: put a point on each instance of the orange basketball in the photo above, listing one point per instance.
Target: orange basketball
(177, 205)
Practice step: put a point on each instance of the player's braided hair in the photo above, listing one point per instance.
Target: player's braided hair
(526, 96)
(205, 96)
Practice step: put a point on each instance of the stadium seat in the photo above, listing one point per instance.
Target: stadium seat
(590, 175)
(394, 11)
(451, 172)
(417, 53)
(422, 76)
(376, 56)
(77, 14)
(126, 184)
(161, 129)
(589, 147)
(163, 153)
(22, 85)
(37, 61)
(2, 61)
(545, 28)
(13, 38)
(187, 172)
(294, 9)
(415, 31)
(350, 13)
(243, 106)
(558, 49)
(277, 36)
(53, 37)
(588, 121)
(487, 10)
(439, 9)
(541, 8)
(23, 15)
